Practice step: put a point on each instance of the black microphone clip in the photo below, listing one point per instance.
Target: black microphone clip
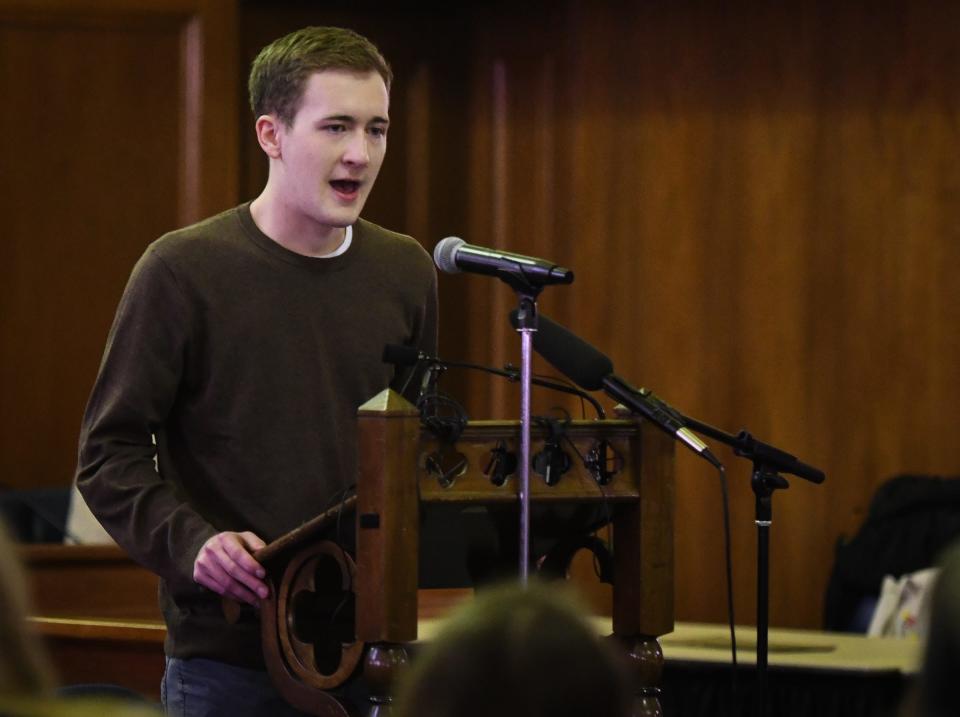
(552, 462)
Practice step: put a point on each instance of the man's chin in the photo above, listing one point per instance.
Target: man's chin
(340, 219)
(345, 216)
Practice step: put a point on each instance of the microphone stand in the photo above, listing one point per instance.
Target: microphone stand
(768, 463)
(527, 276)
(528, 288)
(526, 327)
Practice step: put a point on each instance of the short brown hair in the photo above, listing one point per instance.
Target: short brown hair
(281, 70)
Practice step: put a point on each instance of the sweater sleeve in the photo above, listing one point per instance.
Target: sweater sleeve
(138, 382)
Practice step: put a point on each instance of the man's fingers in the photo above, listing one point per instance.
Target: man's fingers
(225, 565)
(212, 576)
(252, 540)
(239, 551)
(215, 578)
(239, 592)
(238, 570)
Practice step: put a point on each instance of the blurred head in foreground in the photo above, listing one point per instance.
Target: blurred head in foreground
(516, 652)
(27, 685)
(936, 693)
(24, 668)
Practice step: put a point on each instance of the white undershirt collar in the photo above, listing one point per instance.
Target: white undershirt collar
(344, 245)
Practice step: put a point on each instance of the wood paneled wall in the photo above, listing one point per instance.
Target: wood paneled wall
(118, 125)
(760, 204)
(759, 201)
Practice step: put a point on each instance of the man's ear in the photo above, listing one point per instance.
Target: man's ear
(269, 132)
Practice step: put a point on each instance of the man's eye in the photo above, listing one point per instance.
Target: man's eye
(335, 128)
(378, 131)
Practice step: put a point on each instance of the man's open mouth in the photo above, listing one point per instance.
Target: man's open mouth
(345, 186)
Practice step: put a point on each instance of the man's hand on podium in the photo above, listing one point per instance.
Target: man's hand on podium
(225, 565)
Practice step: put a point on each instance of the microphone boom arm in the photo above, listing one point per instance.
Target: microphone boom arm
(746, 446)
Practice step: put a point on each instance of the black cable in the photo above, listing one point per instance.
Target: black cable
(399, 355)
(512, 374)
(606, 515)
(557, 383)
(605, 505)
(443, 416)
(729, 567)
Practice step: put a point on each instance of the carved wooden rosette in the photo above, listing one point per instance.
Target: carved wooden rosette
(307, 628)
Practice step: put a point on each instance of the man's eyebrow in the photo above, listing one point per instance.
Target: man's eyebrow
(352, 119)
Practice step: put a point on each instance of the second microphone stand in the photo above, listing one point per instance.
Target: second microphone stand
(768, 463)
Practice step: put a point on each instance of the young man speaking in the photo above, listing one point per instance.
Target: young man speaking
(239, 354)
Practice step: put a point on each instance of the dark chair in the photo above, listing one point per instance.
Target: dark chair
(37, 515)
(911, 519)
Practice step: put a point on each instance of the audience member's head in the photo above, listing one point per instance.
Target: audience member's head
(516, 652)
(936, 693)
(26, 679)
(24, 669)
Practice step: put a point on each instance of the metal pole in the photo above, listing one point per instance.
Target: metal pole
(526, 354)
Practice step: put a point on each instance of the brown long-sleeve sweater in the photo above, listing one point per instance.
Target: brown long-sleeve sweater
(247, 362)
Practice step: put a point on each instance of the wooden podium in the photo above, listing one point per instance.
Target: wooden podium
(401, 466)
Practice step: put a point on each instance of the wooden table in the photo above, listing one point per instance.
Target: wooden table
(810, 649)
(810, 673)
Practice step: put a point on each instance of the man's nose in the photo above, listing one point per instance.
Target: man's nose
(357, 150)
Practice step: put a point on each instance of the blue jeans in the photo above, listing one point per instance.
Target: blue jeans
(209, 688)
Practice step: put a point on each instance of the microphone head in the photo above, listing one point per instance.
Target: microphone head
(569, 354)
(445, 254)
(400, 355)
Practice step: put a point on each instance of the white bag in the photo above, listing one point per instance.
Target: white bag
(904, 605)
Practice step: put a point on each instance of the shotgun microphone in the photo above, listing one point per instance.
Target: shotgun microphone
(592, 370)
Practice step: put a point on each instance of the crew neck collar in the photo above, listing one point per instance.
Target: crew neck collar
(338, 258)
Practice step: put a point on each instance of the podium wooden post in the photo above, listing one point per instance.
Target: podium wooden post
(643, 566)
(388, 522)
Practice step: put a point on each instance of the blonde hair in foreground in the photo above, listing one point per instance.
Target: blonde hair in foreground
(514, 652)
(24, 667)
